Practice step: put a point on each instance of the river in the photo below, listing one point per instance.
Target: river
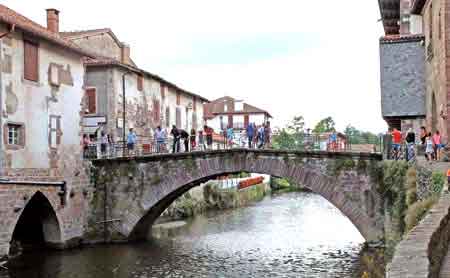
(289, 235)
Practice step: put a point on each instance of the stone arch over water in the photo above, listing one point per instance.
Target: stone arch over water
(37, 225)
(142, 188)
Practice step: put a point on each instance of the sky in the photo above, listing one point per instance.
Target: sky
(289, 57)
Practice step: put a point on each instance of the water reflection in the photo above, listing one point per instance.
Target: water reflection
(292, 235)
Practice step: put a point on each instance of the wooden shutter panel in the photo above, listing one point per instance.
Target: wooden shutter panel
(156, 111)
(92, 100)
(246, 120)
(31, 64)
(140, 82)
(167, 117)
(230, 120)
(178, 98)
(178, 118)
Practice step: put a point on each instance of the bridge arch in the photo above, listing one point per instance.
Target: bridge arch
(37, 224)
(342, 179)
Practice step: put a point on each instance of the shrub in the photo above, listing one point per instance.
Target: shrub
(411, 186)
(437, 182)
(417, 211)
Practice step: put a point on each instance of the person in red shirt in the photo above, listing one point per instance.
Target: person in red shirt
(396, 139)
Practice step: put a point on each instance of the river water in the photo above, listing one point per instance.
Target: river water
(290, 235)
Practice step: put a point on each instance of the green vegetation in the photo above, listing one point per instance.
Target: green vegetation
(417, 212)
(356, 136)
(291, 137)
(325, 125)
(282, 185)
(399, 188)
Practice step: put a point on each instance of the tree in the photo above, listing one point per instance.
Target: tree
(290, 137)
(325, 125)
(356, 136)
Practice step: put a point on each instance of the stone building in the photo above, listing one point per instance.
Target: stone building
(42, 175)
(402, 67)
(150, 100)
(227, 111)
(434, 16)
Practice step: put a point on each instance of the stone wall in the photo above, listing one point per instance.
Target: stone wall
(420, 254)
(70, 208)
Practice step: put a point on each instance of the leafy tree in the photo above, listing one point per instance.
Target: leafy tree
(291, 137)
(356, 136)
(325, 125)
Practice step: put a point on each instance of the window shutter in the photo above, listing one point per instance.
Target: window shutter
(230, 120)
(58, 131)
(140, 82)
(156, 111)
(178, 118)
(21, 134)
(163, 91)
(91, 100)
(167, 117)
(178, 98)
(31, 70)
(246, 120)
(194, 121)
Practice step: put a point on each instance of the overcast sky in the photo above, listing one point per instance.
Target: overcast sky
(297, 57)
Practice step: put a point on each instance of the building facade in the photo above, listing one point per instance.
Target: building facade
(402, 67)
(150, 101)
(228, 112)
(41, 92)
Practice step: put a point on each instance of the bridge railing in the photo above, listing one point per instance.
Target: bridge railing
(148, 146)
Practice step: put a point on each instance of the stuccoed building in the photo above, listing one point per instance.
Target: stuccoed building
(402, 66)
(149, 99)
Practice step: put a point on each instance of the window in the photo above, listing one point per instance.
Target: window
(54, 131)
(13, 134)
(163, 92)
(31, 64)
(140, 82)
(194, 104)
(91, 101)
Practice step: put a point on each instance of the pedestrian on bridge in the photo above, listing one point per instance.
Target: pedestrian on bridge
(160, 136)
(176, 139)
(185, 136)
(209, 136)
(131, 140)
(250, 130)
(193, 139)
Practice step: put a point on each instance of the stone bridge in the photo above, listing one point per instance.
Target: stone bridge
(130, 193)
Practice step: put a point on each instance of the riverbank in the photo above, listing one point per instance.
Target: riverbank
(212, 196)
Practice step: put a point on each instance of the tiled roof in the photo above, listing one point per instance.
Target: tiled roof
(218, 107)
(402, 38)
(104, 61)
(73, 35)
(28, 26)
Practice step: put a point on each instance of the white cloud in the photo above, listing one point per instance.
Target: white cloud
(338, 78)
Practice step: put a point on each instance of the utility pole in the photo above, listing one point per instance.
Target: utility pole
(124, 135)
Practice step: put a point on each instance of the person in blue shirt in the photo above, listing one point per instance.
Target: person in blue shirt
(131, 140)
(230, 136)
(250, 133)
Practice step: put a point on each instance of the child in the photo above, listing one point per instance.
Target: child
(429, 150)
(192, 139)
(201, 141)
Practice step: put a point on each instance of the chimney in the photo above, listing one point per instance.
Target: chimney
(126, 54)
(53, 20)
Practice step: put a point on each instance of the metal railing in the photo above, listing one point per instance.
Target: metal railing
(149, 146)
